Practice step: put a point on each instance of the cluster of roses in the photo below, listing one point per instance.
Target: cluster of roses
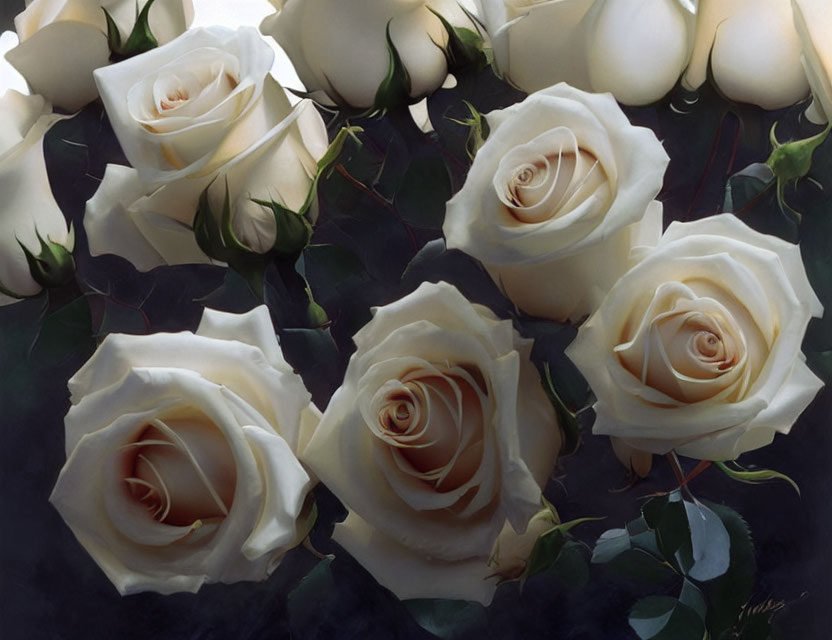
(190, 456)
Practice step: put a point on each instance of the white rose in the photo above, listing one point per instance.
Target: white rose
(198, 111)
(697, 348)
(340, 51)
(753, 50)
(813, 21)
(63, 41)
(440, 434)
(559, 193)
(181, 464)
(28, 211)
(635, 49)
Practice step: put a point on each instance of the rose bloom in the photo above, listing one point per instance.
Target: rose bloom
(181, 464)
(555, 199)
(635, 49)
(753, 51)
(63, 41)
(27, 208)
(697, 347)
(813, 20)
(320, 38)
(440, 436)
(202, 110)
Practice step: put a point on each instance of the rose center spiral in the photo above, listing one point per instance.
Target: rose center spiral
(183, 470)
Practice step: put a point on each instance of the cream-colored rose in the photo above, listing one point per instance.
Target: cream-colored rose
(813, 20)
(226, 122)
(635, 49)
(27, 207)
(753, 50)
(697, 348)
(440, 434)
(63, 41)
(181, 464)
(557, 196)
(340, 52)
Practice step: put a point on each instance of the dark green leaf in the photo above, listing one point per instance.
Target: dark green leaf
(571, 565)
(665, 618)
(448, 619)
(333, 272)
(64, 333)
(424, 190)
(729, 592)
(692, 597)
(303, 601)
(710, 543)
(427, 254)
(746, 186)
(642, 566)
(610, 544)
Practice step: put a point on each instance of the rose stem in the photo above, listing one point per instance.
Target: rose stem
(673, 459)
(707, 169)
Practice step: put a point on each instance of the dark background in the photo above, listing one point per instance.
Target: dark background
(50, 587)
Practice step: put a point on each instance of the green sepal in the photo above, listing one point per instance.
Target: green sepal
(394, 90)
(790, 161)
(140, 40)
(292, 230)
(755, 477)
(53, 267)
(567, 419)
(217, 240)
(548, 547)
(478, 130)
(465, 47)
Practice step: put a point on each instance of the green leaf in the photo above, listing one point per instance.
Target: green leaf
(632, 552)
(745, 187)
(64, 333)
(727, 594)
(692, 597)
(427, 254)
(303, 601)
(448, 619)
(567, 419)
(609, 545)
(642, 566)
(571, 565)
(424, 190)
(665, 618)
(334, 273)
(755, 477)
(710, 543)
(671, 528)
